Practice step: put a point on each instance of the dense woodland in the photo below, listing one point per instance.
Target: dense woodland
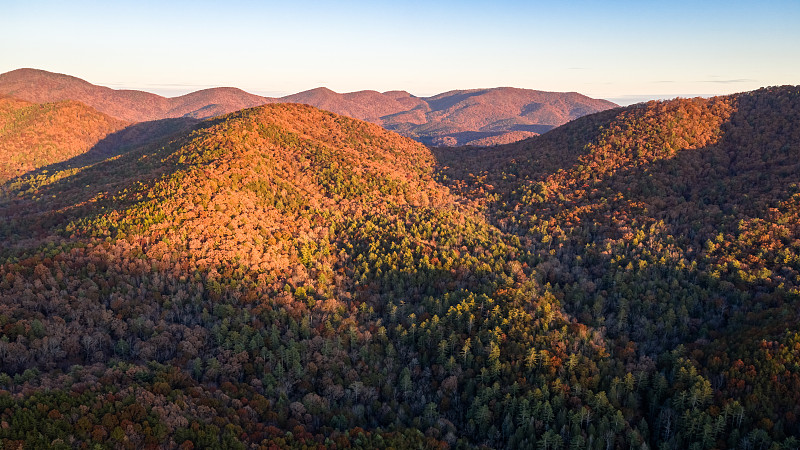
(36, 135)
(283, 277)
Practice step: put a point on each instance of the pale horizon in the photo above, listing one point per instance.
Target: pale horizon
(177, 90)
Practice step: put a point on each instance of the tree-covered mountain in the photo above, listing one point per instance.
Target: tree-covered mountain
(465, 117)
(283, 276)
(673, 227)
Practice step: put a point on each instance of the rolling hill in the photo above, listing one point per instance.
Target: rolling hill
(284, 276)
(36, 135)
(467, 117)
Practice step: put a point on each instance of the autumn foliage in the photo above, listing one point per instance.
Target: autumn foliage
(36, 135)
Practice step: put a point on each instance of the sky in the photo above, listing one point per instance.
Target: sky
(625, 51)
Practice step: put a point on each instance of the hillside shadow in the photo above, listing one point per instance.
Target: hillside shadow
(34, 205)
(446, 102)
(541, 129)
(533, 107)
(695, 197)
(134, 136)
(528, 160)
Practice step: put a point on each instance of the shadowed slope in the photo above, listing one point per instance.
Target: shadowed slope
(35, 135)
(670, 224)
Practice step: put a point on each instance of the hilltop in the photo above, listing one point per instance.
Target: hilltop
(285, 276)
(248, 215)
(466, 117)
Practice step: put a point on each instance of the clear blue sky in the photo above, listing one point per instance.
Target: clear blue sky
(621, 50)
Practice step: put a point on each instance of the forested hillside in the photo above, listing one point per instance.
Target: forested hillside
(41, 86)
(673, 227)
(286, 277)
(35, 135)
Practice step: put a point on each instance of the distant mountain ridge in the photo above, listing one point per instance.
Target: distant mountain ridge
(460, 117)
(39, 86)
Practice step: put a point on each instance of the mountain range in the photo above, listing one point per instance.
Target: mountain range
(461, 117)
(287, 277)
